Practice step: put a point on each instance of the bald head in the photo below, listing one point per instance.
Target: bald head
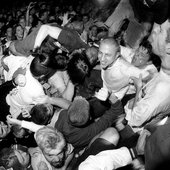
(109, 51)
(110, 42)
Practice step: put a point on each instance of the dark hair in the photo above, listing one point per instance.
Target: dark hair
(78, 68)
(47, 63)
(146, 44)
(5, 155)
(40, 115)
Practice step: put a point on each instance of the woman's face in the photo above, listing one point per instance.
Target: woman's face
(19, 32)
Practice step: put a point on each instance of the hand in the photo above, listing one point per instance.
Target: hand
(119, 123)
(20, 70)
(65, 19)
(41, 99)
(12, 121)
(25, 113)
(20, 80)
(149, 77)
(142, 141)
(137, 82)
(31, 5)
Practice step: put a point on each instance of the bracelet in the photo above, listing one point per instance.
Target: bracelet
(133, 153)
(13, 82)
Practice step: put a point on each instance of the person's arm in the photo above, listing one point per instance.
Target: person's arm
(44, 31)
(103, 93)
(69, 91)
(57, 101)
(110, 159)
(28, 12)
(25, 124)
(109, 117)
(138, 85)
(150, 105)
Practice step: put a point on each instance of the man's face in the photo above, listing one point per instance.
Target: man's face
(22, 22)
(107, 54)
(141, 57)
(57, 158)
(157, 39)
(160, 41)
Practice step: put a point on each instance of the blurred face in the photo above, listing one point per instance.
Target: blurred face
(85, 19)
(108, 54)
(19, 32)
(22, 22)
(141, 57)
(9, 32)
(94, 31)
(56, 158)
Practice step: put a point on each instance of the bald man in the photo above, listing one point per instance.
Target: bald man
(115, 70)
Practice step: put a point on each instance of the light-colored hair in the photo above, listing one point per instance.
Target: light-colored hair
(78, 112)
(49, 139)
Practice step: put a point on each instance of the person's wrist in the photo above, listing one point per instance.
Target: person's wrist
(133, 153)
(14, 82)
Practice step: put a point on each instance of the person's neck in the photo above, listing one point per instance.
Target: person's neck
(165, 70)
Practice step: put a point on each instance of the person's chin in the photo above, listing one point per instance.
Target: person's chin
(104, 67)
(58, 164)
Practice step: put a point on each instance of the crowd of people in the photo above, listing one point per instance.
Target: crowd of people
(85, 85)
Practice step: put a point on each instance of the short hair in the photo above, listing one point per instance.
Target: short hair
(77, 25)
(92, 55)
(40, 114)
(78, 68)
(38, 68)
(78, 112)
(49, 57)
(49, 139)
(5, 155)
(146, 44)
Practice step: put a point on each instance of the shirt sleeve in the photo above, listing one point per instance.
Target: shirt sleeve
(110, 159)
(31, 126)
(103, 93)
(150, 105)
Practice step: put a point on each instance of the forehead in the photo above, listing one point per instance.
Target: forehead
(107, 46)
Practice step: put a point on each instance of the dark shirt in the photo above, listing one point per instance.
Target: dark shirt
(5, 88)
(68, 38)
(157, 148)
(158, 12)
(80, 137)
